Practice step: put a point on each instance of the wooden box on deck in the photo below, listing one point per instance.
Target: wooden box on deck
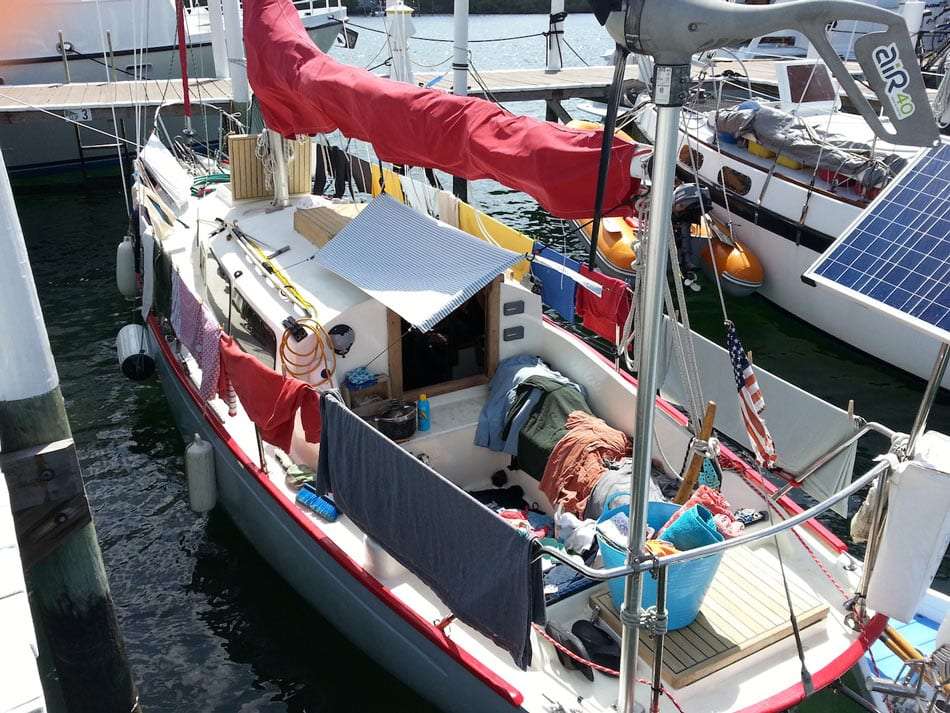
(247, 170)
(320, 224)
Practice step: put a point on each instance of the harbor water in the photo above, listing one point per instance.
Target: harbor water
(208, 625)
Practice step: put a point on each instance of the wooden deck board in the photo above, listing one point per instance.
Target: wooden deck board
(744, 612)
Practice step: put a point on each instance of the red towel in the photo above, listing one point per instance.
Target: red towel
(271, 400)
(606, 314)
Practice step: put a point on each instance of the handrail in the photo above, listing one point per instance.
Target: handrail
(833, 453)
(651, 563)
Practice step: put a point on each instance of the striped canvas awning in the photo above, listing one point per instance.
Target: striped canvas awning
(419, 268)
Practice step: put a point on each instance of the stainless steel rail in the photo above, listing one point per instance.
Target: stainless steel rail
(646, 565)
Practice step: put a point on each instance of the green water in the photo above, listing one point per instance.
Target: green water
(208, 625)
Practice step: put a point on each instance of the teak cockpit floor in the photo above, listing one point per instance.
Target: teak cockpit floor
(744, 611)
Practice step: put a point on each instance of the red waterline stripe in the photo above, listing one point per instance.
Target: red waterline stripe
(787, 504)
(504, 689)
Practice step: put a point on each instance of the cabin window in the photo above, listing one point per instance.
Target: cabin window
(459, 352)
(735, 181)
(217, 288)
(235, 314)
(691, 159)
(251, 332)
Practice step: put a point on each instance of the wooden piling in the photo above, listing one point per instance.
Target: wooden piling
(69, 591)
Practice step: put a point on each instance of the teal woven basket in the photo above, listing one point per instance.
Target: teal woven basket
(686, 583)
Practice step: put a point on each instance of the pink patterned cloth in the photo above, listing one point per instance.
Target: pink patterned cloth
(207, 357)
(198, 331)
(713, 501)
(187, 315)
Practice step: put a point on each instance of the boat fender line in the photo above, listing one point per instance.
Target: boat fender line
(199, 468)
(135, 355)
(125, 269)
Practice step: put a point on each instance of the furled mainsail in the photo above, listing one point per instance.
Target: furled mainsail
(303, 91)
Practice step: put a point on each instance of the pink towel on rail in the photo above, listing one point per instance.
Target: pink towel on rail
(208, 357)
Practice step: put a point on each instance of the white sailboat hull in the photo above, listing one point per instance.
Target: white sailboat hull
(769, 219)
(44, 143)
(856, 324)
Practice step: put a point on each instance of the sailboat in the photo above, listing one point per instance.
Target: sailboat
(294, 334)
(788, 198)
(52, 42)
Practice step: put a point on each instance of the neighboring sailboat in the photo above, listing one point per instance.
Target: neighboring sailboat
(788, 197)
(73, 41)
(255, 309)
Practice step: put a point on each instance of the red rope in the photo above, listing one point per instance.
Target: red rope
(183, 55)
(597, 667)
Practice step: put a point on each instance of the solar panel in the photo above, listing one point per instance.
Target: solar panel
(896, 255)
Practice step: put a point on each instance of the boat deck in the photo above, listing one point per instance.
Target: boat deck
(744, 611)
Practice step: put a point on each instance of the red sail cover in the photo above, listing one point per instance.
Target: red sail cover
(303, 91)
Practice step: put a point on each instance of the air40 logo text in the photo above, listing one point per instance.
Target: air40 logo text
(888, 63)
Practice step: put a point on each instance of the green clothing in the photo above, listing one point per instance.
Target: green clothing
(545, 426)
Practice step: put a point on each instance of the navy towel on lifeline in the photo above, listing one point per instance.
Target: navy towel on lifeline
(558, 291)
(483, 569)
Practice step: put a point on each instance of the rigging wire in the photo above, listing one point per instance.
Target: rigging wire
(115, 121)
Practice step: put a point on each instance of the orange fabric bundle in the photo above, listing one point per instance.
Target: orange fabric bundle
(577, 461)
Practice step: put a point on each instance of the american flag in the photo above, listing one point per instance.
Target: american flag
(751, 403)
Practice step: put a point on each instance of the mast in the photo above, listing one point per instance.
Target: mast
(400, 30)
(460, 74)
(219, 45)
(237, 65)
(555, 58)
(183, 61)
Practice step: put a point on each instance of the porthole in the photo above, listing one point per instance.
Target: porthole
(734, 181)
(691, 159)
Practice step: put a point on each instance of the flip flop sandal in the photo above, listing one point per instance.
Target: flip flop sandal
(602, 648)
(573, 644)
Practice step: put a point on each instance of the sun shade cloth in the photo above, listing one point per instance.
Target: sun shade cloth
(303, 91)
(418, 267)
(484, 570)
(804, 427)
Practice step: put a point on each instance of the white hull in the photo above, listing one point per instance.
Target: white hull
(43, 143)
(786, 251)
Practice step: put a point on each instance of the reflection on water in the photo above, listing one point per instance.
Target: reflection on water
(208, 625)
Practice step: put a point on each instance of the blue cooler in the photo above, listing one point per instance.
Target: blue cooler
(686, 583)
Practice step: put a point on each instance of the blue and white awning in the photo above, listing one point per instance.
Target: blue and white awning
(419, 268)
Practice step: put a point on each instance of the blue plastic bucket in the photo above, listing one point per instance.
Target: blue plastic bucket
(686, 583)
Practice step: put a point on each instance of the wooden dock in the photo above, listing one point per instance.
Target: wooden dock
(535, 84)
(20, 687)
(90, 101)
(94, 101)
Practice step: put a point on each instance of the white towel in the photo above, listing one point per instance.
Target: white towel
(448, 206)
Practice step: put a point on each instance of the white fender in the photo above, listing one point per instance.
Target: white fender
(125, 269)
(199, 467)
